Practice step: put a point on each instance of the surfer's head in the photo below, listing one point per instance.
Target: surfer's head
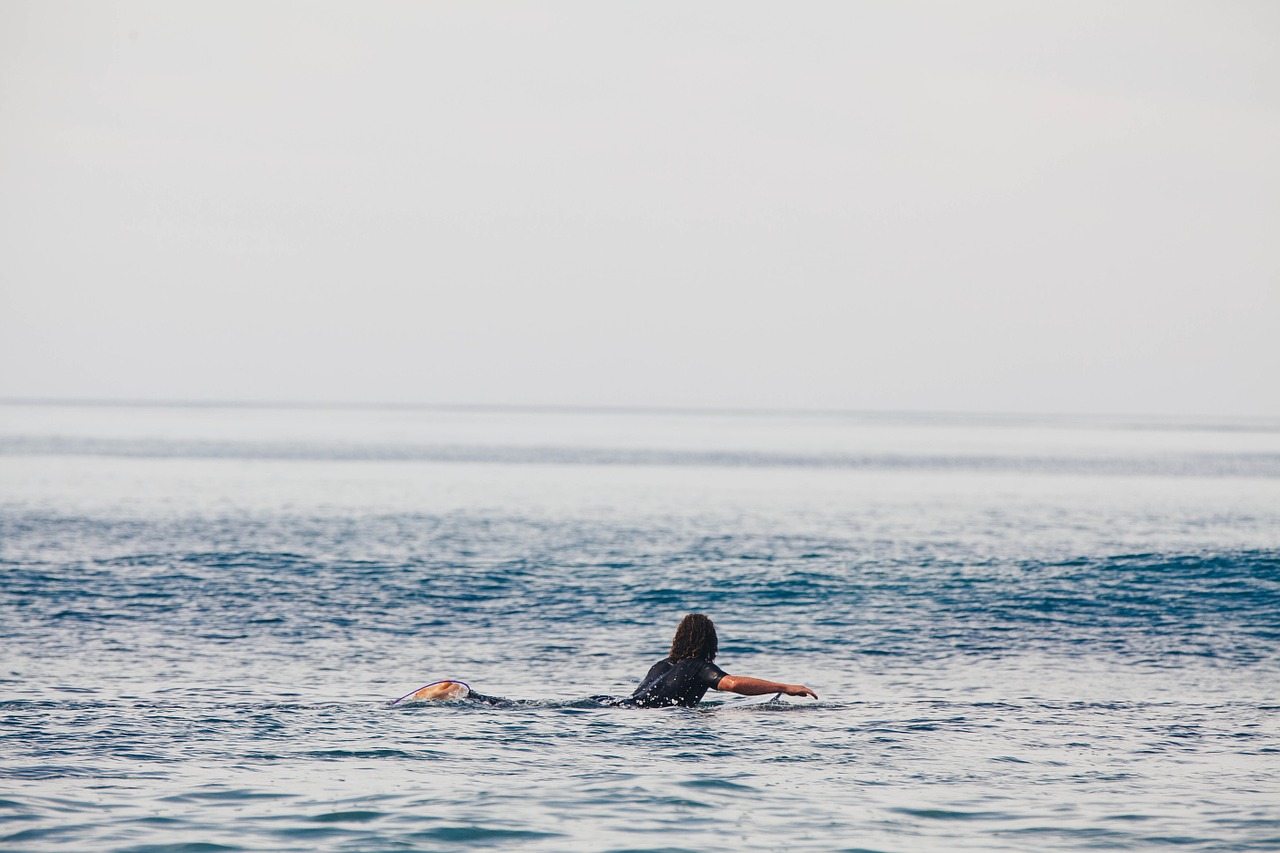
(694, 639)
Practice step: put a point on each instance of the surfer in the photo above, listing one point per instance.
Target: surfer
(682, 678)
(688, 672)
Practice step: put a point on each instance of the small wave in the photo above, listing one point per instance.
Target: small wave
(1174, 464)
(950, 814)
(349, 817)
(481, 835)
(181, 847)
(342, 754)
(716, 784)
(228, 795)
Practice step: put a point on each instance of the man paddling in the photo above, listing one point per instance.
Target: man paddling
(685, 675)
(682, 678)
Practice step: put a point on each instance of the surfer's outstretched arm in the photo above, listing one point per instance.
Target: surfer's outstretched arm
(748, 686)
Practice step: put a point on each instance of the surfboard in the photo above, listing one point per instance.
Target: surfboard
(437, 691)
(746, 701)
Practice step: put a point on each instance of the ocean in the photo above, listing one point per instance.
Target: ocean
(1026, 633)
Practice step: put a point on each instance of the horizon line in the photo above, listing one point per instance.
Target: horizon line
(736, 411)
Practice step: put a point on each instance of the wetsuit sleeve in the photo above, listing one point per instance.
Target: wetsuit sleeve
(711, 675)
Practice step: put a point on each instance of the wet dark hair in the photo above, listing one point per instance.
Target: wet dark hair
(695, 639)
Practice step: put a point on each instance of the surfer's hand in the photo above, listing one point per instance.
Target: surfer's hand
(799, 690)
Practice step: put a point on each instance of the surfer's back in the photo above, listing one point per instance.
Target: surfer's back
(683, 683)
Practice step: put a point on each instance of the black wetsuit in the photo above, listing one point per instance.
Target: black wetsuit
(667, 684)
(682, 683)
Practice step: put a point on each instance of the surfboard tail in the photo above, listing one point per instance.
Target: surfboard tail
(437, 691)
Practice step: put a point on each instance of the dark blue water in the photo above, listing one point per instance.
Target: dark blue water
(1027, 634)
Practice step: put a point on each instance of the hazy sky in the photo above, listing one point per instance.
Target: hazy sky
(1013, 206)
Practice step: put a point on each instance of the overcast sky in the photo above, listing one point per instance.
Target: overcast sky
(977, 206)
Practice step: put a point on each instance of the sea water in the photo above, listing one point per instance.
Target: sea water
(1026, 633)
